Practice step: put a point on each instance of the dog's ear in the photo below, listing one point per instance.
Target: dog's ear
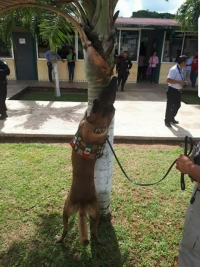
(96, 106)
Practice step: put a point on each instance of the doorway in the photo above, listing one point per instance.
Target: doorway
(151, 40)
(25, 56)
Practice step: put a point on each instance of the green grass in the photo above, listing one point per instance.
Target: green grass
(147, 222)
(49, 96)
(191, 99)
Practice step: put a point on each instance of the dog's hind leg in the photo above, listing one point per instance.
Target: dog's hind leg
(82, 227)
(68, 210)
(94, 213)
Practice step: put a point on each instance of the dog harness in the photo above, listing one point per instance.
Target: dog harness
(87, 151)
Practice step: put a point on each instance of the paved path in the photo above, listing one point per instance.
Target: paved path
(139, 114)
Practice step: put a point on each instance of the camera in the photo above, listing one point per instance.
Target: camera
(185, 84)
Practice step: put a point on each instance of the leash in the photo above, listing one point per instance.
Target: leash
(150, 184)
(186, 154)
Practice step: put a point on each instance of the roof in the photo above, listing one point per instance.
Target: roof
(147, 22)
(138, 22)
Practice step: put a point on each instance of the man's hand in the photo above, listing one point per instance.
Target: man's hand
(184, 164)
(182, 83)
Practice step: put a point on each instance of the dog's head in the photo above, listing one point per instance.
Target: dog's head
(103, 110)
(95, 127)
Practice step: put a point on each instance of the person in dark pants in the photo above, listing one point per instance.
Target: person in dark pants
(175, 80)
(122, 69)
(194, 70)
(153, 62)
(71, 58)
(4, 71)
(47, 55)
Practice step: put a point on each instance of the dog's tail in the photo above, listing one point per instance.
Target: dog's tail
(82, 227)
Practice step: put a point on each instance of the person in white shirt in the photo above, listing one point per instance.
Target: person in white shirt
(176, 81)
(187, 69)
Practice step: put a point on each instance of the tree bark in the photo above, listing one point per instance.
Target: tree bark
(98, 73)
(56, 76)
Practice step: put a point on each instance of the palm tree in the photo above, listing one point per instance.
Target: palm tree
(95, 22)
(188, 15)
(47, 26)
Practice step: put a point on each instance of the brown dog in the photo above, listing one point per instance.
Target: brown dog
(87, 146)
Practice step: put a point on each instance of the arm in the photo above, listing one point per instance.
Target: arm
(175, 82)
(4, 69)
(130, 64)
(187, 166)
(150, 61)
(172, 74)
(47, 56)
(74, 57)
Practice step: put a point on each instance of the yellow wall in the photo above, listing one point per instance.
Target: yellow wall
(164, 69)
(11, 65)
(132, 78)
(79, 73)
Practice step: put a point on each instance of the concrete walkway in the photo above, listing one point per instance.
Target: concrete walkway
(139, 114)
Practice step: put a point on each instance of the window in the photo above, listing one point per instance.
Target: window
(5, 51)
(190, 44)
(173, 46)
(63, 51)
(129, 42)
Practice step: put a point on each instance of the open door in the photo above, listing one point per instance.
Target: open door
(151, 40)
(25, 56)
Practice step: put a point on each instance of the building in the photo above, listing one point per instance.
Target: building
(136, 35)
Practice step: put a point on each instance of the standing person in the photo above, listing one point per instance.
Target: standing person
(47, 55)
(189, 249)
(187, 69)
(153, 61)
(178, 53)
(4, 71)
(122, 69)
(71, 58)
(141, 67)
(194, 70)
(175, 80)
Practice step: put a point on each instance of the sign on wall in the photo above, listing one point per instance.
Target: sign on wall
(22, 41)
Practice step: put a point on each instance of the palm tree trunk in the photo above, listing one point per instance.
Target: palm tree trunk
(99, 63)
(104, 165)
(56, 76)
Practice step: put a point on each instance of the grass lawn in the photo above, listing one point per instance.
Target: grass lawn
(191, 99)
(49, 96)
(147, 222)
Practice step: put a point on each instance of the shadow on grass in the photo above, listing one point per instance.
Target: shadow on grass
(40, 249)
